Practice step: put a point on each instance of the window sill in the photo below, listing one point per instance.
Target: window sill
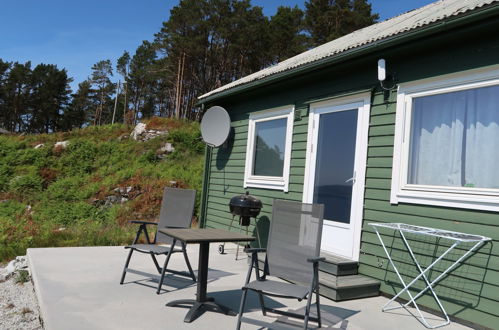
(273, 183)
(463, 201)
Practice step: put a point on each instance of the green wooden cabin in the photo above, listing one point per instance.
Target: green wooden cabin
(421, 147)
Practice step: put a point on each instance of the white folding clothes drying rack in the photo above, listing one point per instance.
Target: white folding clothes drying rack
(455, 237)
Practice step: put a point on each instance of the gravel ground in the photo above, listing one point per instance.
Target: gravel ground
(18, 306)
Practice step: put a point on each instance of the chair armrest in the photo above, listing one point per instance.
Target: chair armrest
(254, 250)
(316, 259)
(143, 227)
(141, 222)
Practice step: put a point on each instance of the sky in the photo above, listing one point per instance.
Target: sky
(76, 34)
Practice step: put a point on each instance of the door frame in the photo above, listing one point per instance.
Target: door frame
(362, 102)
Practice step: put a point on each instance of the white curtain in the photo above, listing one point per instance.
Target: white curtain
(455, 139)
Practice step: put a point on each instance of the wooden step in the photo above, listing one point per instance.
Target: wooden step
(338, 266)
(347, 287)
(339, 280)
(333, 265)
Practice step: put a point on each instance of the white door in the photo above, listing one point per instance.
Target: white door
(335, 170)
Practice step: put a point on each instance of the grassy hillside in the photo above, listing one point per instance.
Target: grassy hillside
(72, 196)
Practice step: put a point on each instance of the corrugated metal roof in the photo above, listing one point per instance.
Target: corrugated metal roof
(411, 20)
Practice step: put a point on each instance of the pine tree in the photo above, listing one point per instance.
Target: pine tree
(326, 20)
(101, 73)
(49, 95)
(286, 33)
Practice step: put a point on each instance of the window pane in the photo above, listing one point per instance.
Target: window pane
(455, 139)
(270, 143)
(335, 164)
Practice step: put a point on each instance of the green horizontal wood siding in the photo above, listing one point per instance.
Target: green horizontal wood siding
(471, 292)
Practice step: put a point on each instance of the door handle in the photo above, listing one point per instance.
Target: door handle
(352, 179)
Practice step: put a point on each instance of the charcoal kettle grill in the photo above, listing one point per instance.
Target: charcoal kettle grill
(246, 207)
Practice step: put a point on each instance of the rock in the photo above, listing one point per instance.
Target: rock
(139, 129)
(123, 137)
(62, 144)
(140, 133)
(173, 184)
(4, 275)
(13, 266)
(166, 149)
(38, 146)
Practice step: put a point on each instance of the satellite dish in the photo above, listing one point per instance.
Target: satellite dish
(215, 126)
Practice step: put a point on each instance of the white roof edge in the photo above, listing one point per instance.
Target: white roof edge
(408, 21)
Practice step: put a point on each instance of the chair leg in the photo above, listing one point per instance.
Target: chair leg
(188, 263)
(319, 321)
(155, 262)
(241, 309)
(262, 303)
(126, 266)
(163, 271)
(307, 310)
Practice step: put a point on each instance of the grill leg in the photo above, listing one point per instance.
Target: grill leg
(258, 234)
(240, 228)
(230, 227)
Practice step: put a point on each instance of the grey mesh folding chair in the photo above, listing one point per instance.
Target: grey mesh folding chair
(177, 208)
(293, 255)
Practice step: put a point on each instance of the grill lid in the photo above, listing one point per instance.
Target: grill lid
(246, 201)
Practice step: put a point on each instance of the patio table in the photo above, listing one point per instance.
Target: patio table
(455, 238)
(203, 237)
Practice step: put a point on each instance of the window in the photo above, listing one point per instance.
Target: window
(447, 142)
(268, 150)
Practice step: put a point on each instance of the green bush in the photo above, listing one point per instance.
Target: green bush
(65, 213)
(5, 177)
(11, 209)
(26, 184)
(66, 189)
(79, 158)
(187, 139)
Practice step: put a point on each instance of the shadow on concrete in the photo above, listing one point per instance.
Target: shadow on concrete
(332, 318)
(174, 282)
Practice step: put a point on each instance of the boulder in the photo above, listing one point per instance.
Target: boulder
(38, 146)
(13, 266)
(139, 129)
(167, 148)
(140, 133)
(61, 144)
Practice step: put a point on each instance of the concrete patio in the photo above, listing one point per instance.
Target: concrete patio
(78, 288)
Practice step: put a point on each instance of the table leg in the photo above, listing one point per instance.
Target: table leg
(204, 252)
(202, 301)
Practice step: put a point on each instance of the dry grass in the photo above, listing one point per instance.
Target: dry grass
(26, 310)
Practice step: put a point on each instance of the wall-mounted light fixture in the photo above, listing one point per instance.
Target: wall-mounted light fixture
(382, 75)
(381, 70)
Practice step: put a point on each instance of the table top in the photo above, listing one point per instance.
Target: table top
(190, 235)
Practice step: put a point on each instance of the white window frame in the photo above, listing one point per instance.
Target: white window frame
(269, 182)
(459, 197)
